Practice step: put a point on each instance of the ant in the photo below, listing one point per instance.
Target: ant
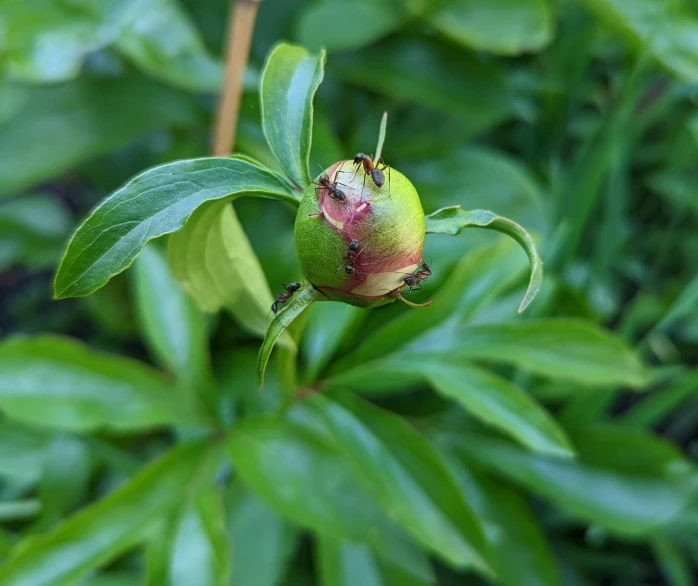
(335, 193)
(284, 297)
(351, 257)
(366, 161)
(421, 273)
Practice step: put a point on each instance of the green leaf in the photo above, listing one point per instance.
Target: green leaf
(675, 567)
(301, 475)
(22, 452)
(174, 330)
(49, 41)
(436, 76)
(520, 553)
(682, 307)
(213, 259)
(490, 398)
(293, 308)
(363, 22)
(201, 552)
(454, 219)
(660, 404)
(409, 477)
(666, 30)
(32, 229)
(342, 563)
(499, 403)
(328, 326)
(60, 383)
(569, 349)
(262, 541)
(66, 474)
(103, 530)
(630, 503)
(18, 510)
(505, 27)
(289, 81)
(163, 42)
(88, 118)
(110, 238)
(479, 276)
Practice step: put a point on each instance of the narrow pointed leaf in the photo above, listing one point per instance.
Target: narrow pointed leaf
(59, 382)
(290, 79)
(488, 397)
(635, 501)
(300, 474)
(107, 528)
(156, 202)
(454, 219)
(501, 404)
(560, 348)
(201, 550)
(520, 553)
(409, 477)
(263, 541)
(293, 308)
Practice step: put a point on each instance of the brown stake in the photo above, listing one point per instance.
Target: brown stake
(240, 29)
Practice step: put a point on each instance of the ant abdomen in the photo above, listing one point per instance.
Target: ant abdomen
(378, 177)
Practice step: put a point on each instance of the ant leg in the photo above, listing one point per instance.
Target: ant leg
(342, 256)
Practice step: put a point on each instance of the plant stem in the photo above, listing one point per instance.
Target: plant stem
(240, 29)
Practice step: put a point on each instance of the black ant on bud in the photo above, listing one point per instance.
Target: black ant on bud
(335, 193)
(349, 268)
(366, 161)
(351, 257)
(421, 273)
(284, 297)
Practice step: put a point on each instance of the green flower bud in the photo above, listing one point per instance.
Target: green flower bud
(358, 245)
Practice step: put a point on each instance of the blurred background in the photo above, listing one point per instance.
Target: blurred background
(576, 118)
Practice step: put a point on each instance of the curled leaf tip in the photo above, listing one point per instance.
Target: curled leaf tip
(453, 220)
(534, 283)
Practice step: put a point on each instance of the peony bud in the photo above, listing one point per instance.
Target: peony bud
(358, 245)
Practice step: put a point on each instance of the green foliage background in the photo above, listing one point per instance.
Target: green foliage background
(461, 444)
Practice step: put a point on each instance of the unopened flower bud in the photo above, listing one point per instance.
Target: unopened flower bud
(359, 233)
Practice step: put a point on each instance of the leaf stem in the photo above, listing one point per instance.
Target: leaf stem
(240, 29)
